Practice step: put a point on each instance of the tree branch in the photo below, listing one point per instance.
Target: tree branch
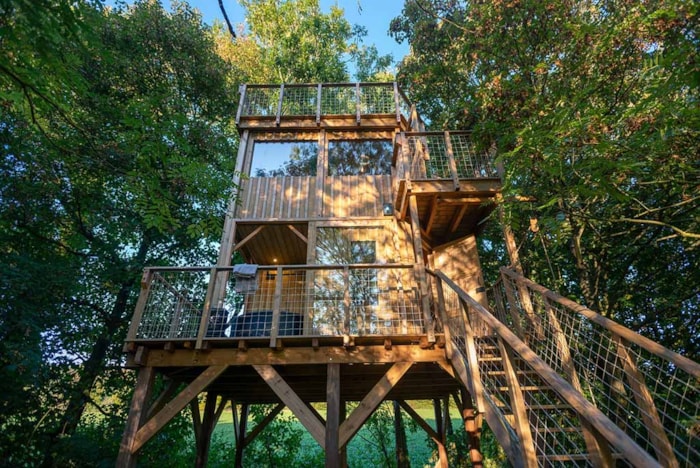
(228, 23)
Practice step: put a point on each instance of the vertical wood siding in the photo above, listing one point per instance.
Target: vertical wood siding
(275, 197)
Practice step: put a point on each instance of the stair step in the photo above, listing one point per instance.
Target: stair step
(562, 406)
(528, 388)
(565, 457)
(559, 430)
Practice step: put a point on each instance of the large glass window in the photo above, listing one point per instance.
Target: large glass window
(356, 157)
(276, 159)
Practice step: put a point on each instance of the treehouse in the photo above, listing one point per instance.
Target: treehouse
(357, 280)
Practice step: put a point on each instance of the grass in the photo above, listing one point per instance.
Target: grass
(364, 449)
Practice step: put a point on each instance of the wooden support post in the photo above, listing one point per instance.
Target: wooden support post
(420, 269)
(204, 428)
(472, 426)
(137, 412)
(333, 416)
(241, 435)
(432, 433)
(402, 460)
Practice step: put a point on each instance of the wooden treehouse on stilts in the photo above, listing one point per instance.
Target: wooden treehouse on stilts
(361, 283)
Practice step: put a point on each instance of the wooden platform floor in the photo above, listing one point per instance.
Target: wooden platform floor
(304, 368)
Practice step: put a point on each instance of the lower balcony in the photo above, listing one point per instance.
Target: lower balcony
(272, 306)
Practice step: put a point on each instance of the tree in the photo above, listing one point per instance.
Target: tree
(593, 109)
(128, 165)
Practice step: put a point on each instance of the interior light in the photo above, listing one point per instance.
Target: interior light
(388, 209)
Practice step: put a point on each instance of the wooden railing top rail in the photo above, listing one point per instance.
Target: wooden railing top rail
(631, 336)
(339, 266)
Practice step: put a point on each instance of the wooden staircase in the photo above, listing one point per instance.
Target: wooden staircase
(541, 376)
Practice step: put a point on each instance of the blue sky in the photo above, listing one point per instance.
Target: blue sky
(375, 15)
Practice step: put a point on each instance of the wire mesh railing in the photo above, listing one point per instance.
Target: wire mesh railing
(444, 155)
(552, 381)
(200, 303)
(649, 392)
(317, 100)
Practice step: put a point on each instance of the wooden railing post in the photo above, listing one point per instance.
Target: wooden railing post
(146, 279)
(647, 408)
(277, 301)
(451, 161)
(206, 310)
(358, 103)
(241, 103)
(347, 307)
(279, 105)
(397, 102)
(318, 103)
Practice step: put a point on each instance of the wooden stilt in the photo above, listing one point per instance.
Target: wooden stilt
(142, 393)
(432, 433)
(471, 427)
(241, 434)
(402, 460)
(333, 416)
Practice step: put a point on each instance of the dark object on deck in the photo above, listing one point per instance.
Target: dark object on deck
(218, 323)
(259, 323)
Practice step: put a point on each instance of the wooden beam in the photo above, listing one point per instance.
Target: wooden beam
(432, 214)
(307, 355)
(293, 402)
(451, 160)
(250, 236)
(166, 395)
(172, 408)
(142, 393)
(370, 402)
(457, 219)
(262, 424)
(298, 233)
(276, 304)
(333, 416)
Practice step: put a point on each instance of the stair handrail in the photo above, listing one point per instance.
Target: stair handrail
(585, 409)
(682, 362)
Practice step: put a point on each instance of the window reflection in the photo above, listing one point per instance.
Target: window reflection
(277, 159)
(359, 157)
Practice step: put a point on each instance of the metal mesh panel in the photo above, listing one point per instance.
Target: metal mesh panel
(615, 374)
(261, 102)
(429, 158)
(377, 99)
(299, 100)
(365, 301)
(337, 100)
(174, 306)
(294, 301)
(469, 162)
